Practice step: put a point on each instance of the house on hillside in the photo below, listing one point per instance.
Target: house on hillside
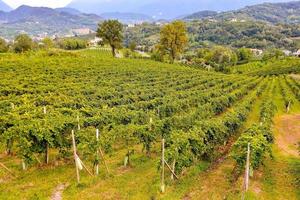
(82, 31)
(95, 42)
(287, 52)
(257, 52)
(297, 53)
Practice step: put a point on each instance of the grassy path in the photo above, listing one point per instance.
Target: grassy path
(277, 179)
(217, 182)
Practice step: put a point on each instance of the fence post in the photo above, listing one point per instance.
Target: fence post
(247, 169)
(78, 125)
(97, 153)
(47, 145)
(75, 157)
(162, 187)
(173, 168)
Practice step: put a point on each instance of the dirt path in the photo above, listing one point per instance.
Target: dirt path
(213, 184)
(57, 194)
(277, 178)
(288, 134)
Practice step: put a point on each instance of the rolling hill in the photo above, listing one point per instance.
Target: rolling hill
(268, 12)
(38, 20)
(166, 9)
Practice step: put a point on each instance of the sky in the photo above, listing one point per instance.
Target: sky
(46, 3)
(62, 3)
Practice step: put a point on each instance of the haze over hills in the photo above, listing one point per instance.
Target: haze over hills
(288, 12)
(61, 21)
(41, 20)
(158, 9)
(4, 6)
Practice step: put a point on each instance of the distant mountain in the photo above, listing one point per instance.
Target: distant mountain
(127, 17)
(160, 9)
(202, 15)
(41, 20)
(71, 11)
(4, 7)
(268, 12)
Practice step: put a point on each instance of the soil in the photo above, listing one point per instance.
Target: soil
(288, 138)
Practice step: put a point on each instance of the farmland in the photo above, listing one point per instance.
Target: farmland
(204, 117)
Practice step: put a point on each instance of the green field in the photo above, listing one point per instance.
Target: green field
(135, 103)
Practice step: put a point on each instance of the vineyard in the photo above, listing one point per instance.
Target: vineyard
(120, 110)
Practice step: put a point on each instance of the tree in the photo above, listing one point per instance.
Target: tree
(73, 44)
(3, 46)
(111, 33)
(223, 57)
(132, 46)
(272, 53)
(244, 54)
(173, 39)
(23, 43)
(47, 43)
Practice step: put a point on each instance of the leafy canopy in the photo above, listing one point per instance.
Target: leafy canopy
(111, 31)
(173, 39)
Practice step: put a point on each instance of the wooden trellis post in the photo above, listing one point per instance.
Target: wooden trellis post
(173, 169)
(288, 107)
(47, 145)
(162, 186)
(2, 165)
(78, 124)
(247, 172)
(97, 153)
(75, 157)
(23, 165)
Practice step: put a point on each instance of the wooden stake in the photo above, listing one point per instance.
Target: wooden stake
(85, 167)
(162, 187)
(102, 156)
(97, 153)
(47, 154)
(288, 107)
(23, 165)
(37, 159)
(171, 170)
(47, 145)
(78, 125)
(2, 165)
(75, 157)
(247, 169)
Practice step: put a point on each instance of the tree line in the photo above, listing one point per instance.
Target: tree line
(173, 46)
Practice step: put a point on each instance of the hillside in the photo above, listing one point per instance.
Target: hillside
(128, 18)
(202, 116)
(166, 9)
(268, 12)
(236, 34)
(38, 20)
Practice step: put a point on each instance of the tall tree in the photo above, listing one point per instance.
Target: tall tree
(173, 39)
(23, 43)
(3, 46)
(111, 31)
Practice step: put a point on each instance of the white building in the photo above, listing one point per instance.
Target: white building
(297, 53)
(257, 52)
(94, 42)
(82, 31)
(287, 52)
